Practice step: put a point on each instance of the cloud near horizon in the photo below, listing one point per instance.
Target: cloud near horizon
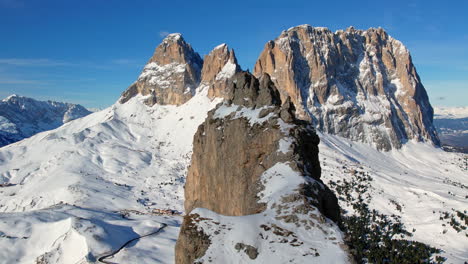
(34, 62)
(163, 34)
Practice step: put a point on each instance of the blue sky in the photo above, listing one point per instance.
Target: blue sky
(89, 51)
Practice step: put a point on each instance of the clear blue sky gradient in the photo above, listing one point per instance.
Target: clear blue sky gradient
(89, 51)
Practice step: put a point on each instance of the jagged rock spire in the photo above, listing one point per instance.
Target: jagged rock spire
(220, 65)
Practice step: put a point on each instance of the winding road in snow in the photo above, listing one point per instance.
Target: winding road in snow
(101, 259)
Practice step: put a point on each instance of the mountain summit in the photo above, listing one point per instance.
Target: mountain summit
(358, 84)
(170, 76)
(175, 70)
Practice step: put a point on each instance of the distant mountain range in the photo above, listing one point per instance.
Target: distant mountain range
(22, 117)
(452, 125)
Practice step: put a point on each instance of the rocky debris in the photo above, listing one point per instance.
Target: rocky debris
(240, 140)
(357, 84)
(219, 66)
(251, 251)
(170, 76)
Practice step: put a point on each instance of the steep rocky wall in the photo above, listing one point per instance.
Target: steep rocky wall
(358, 84)
(240, 140)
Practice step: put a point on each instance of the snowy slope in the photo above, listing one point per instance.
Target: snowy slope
(420, 183)
(22, 117)
(69, 187)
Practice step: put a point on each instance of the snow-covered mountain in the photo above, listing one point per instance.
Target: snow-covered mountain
(22, 117)
(77, 192)
(452, 125)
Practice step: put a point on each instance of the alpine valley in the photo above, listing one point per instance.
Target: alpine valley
(326, 153)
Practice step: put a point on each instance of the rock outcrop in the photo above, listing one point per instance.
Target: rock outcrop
(357, 84)
(220, 65)
(170, 76)
(255, 167)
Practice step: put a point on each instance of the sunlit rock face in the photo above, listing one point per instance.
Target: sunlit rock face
(255, 167)
(170, 76)
(357, 84)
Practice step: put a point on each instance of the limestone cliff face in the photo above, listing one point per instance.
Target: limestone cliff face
(241, 141)
(170, 76)
(234, 153)
(358, 84)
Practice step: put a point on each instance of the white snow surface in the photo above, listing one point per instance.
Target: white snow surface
(424, 180)
(228, 70)
(450, 112)
(161, 75)
(238, 111)
(63, 191)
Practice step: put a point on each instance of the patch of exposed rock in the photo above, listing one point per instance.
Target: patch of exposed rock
(357, 84)
(245, 145)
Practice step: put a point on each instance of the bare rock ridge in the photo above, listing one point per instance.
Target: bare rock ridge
(357, 84)
(175, 70)
(245, 145)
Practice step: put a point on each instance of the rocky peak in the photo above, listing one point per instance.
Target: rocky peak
(237, 155)
(174, 49)
(170, 76)
(360, 84)
(220, 65)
